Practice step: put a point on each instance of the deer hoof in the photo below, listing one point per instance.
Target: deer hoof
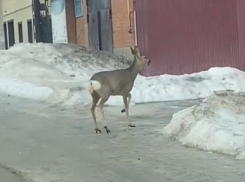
(107, 130)
(131, 125)
(123, 110)
(98, 130)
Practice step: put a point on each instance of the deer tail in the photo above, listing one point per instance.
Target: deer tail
(94, 85)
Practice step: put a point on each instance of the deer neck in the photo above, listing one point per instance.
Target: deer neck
(134, 69)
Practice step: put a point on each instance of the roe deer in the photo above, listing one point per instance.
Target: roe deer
(117, 82)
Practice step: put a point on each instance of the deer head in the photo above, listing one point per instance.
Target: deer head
(141, 60)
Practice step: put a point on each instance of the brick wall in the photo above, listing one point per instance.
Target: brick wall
(121, 24)
(71, 22)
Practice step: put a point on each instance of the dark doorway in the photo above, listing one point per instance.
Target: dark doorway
(20, 30)
(100, 25)
(42, 21)
(11, 33)
(29, 31)
(5, 35)
(46, 29)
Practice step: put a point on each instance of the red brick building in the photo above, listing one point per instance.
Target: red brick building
(121, 14)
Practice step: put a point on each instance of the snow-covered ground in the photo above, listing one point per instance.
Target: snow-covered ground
(216, 124)
(56, 73)
(59, 73)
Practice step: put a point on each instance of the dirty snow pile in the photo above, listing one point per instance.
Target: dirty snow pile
(217, 124)
(59, 73)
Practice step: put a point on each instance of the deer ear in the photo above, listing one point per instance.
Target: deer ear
(132, 51)
(137, 51)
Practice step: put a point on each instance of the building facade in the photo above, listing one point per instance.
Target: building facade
(23, 21)
(102, 25)
(17, 19)
(177, 36)
(2, 44)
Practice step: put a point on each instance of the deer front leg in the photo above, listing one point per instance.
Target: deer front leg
(126, 105)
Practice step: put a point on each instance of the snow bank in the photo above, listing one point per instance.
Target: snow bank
(216, 124)
(61, 72)
(22, 89)
(56, 73)
(188, 86)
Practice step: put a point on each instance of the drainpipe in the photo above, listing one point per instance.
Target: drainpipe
(132, 26)
(2, 40)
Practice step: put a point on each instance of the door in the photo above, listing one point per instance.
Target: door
(99, 25)
(20, 29)
(59, 24)
(11, 33)
(42, 20)
(46, 29)
(5, 35)
(29, 31)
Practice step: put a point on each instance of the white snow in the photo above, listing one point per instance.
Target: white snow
(59, 73)
(217, 124)
(56, 73)
(24, 89)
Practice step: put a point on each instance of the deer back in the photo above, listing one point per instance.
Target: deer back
(116, 82)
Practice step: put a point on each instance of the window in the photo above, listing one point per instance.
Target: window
(20, 29)
(11, 38)
(29, 31)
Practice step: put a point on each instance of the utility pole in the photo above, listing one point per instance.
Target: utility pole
(2, 43)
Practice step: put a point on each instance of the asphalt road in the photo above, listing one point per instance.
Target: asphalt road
(40, 143)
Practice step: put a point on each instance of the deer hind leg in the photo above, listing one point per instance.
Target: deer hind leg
(96, 98)
(129, 99)
(126, 105)
(101, 108)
